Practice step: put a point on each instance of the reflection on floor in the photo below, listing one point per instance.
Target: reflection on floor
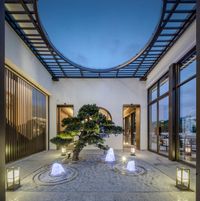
(97, 181)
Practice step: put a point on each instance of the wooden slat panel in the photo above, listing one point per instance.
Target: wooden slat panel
(25, 114)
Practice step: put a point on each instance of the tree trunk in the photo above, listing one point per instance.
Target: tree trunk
(77, 149)
(76, 153)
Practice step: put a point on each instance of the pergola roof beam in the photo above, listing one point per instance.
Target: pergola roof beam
(29, 28)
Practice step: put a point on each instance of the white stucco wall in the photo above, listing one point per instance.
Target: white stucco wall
(184, 44)
(20, 55)
(111, 94)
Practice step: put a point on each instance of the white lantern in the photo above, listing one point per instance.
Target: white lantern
(13, 178)
(183, 178)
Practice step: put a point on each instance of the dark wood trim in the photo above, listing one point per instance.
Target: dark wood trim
(172, 112)
(158, 117)
(148, 113)
(17, 1)
(138, 126)
(2, 102)
(198, 104)
(177, 111)
(66, 105)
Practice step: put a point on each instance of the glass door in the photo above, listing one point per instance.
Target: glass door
(133, 129)
(127, 130)
(159, 116)
(153, 122)
(163, 123)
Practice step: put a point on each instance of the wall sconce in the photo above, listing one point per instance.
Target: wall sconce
(132, 151)
(13, 178)
(63, 151)
(124, 159)
(183, 178)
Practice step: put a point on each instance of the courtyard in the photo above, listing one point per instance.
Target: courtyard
(100, 100)
(98, 181)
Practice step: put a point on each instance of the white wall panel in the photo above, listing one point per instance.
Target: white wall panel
(111, 94)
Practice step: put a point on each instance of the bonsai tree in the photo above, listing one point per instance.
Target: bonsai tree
(89, 127)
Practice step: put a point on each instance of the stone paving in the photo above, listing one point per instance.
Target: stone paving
(97, 181)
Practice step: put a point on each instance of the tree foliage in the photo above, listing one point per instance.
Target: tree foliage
(88, 128)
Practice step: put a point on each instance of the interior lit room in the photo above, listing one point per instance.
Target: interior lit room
(100, 100)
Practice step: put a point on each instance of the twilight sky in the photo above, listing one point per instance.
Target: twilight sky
(99, 33)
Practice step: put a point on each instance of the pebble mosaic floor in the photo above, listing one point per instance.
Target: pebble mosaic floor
(98, 181)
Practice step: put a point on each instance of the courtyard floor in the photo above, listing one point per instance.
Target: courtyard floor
(95, 180)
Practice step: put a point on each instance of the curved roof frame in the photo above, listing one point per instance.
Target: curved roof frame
(176, 16)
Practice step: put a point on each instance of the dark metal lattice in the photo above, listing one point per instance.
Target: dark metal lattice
(23, 17)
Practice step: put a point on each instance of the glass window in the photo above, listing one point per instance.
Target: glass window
(164, 86)
(163, 125)
(187, 71)
(187, 122)
(153, 93)
(153, 127)
(158, 120)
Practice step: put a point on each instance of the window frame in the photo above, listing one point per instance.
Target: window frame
(156, 101)
(174, 93)
(177, 90)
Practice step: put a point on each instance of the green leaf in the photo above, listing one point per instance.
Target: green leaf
(61, 141)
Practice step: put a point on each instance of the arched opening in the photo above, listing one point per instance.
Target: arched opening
(106, 113)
